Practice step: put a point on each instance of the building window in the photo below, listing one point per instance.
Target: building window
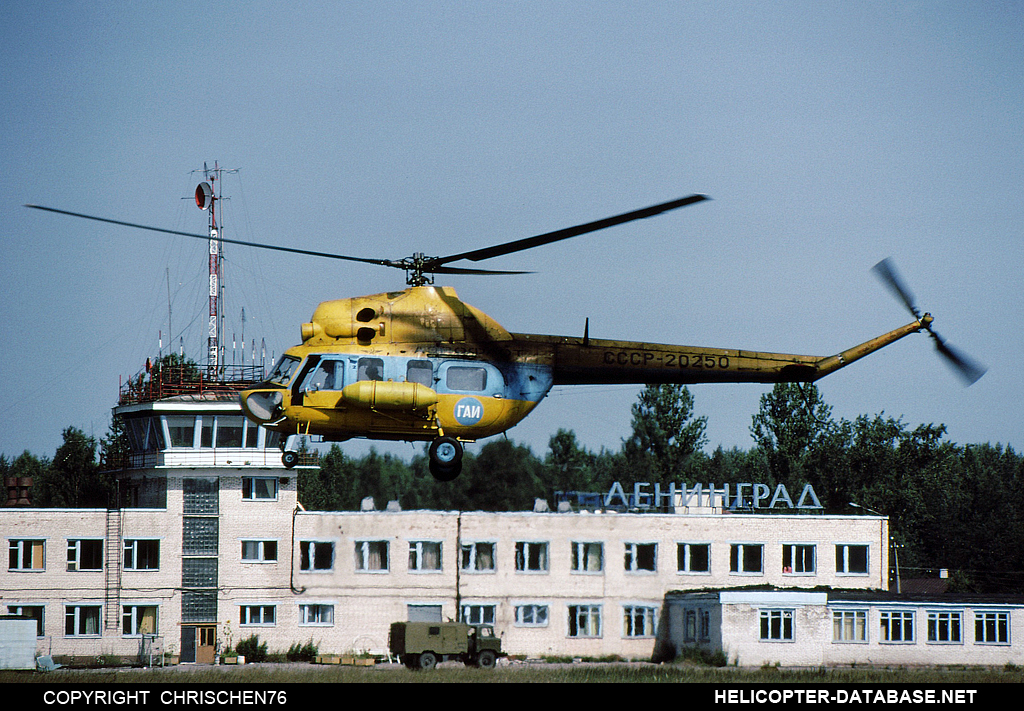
(27, 555)
(259, 488)
(944, 627)
(641, 557)
(425, 556)
(638, 620)
(478, 614)
(259, 551)
(991, 628)
(82, 621)
(584, 620)
(531, 615)
(705, 625)
(140, 554)
(776, 625)
(896, 627)
(138, 620)
(693, 557)
(531, 557)
(478, 557)
(316, 615)
(746, 558)
(315, 555)
(372, 556)
(849, 626)
(265, 615)
(798, 559)
(690, 626)
(36, 612)
(85, 555)
(851, 559)
(587, 557)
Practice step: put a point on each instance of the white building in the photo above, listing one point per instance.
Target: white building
(212, 546)
(848, 627)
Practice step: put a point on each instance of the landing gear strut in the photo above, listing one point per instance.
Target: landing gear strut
(445, 455)
(291, 451)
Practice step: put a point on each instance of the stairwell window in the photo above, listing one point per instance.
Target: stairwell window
(85, 554)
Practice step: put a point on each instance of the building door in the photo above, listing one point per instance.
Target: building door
(188, 645)
(207, 646)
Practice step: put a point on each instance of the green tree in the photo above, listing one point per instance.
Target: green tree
(790, 421)
(504, 476)
(73, 479)
(665, 434)
(567, 466)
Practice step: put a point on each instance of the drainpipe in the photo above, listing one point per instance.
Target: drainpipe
(458, 567)
(291, 574)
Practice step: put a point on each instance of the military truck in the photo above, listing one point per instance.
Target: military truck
(422, 645)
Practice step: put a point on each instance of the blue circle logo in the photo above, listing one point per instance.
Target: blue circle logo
(468, 411)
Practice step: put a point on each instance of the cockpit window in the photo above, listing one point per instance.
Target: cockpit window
(459, 378)
(370, 369)
(284, 370)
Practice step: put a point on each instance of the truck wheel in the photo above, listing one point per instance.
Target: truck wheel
(428, 660)
(486, 659)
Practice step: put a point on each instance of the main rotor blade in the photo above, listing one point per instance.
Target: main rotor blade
(457, 270)
(382, 262)
(886, 271)
(969, 370)
(529, 242)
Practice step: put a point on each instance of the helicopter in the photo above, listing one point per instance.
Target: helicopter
(420, 364)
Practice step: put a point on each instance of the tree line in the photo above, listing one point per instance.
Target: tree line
(959, 507)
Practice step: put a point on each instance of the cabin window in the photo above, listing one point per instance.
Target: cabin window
(370, 369)
(420, 371)
(461, 378)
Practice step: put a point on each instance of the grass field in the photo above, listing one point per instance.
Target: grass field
(516, 674)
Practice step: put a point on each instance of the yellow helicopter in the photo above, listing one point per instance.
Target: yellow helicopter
(423, 365)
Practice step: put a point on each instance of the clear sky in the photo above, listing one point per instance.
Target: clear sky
(829, 134)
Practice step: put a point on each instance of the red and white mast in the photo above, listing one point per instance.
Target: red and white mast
(207, 198)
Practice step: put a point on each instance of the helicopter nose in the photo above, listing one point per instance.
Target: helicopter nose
(262, 405)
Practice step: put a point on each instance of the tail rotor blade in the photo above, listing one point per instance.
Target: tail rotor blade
(968, 370)
(887, 273)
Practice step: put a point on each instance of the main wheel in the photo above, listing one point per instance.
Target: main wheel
(428, 660)
(486, 659)
(445, 457)
(290, 459)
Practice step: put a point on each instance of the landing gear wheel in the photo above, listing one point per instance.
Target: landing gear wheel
(445, 455)
(290, 459)
(486, 659)
(428, 661)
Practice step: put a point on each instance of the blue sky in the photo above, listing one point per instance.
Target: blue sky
(830, 135)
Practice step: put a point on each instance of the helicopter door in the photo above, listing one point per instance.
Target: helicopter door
(322, 386)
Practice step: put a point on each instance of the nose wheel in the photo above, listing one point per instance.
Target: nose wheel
(290, 456)
(445, 455)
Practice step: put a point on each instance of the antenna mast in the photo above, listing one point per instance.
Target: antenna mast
(208, 194)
